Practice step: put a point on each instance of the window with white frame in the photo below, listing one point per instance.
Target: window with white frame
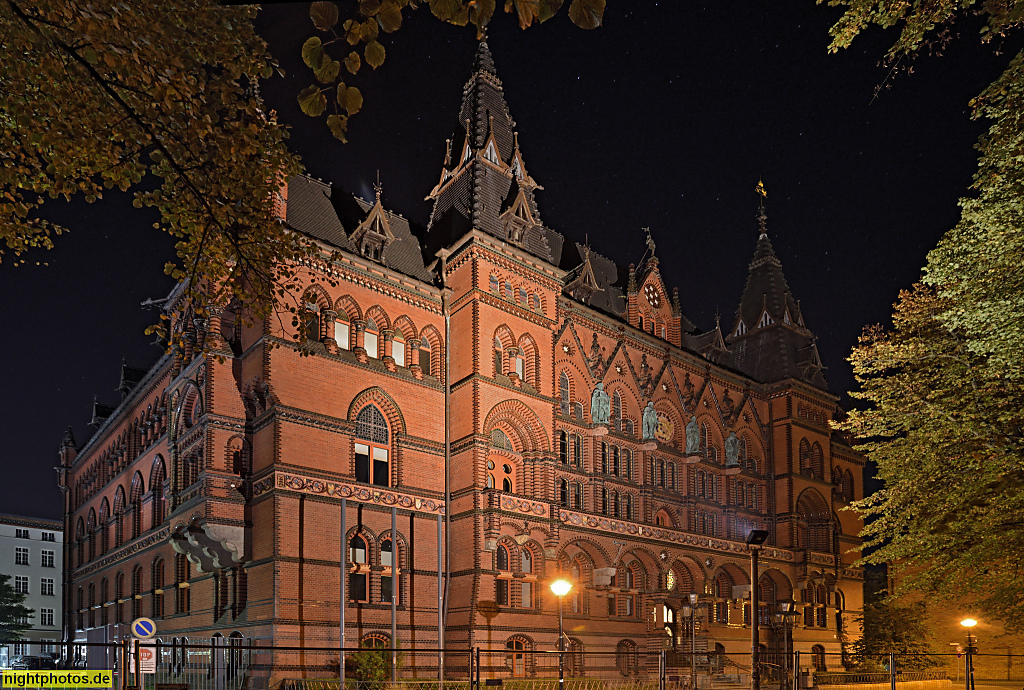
(20, 555)
(46, 617)
(46, 586)
(21, 584)
(372, 464)
(21, 534)
(49, 536)
(370, 338)
(47, 559)
(341, 334)
(398, 350)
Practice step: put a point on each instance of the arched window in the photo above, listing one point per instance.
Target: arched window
(158, 586)
(848, 489)
(515, 656)
(805, 458)
(373, 428)
(311, 321)
(661, 473)
(672, 476)
(563, 493)
(626, 657)
(563, 447)
(741, 494)
(90, 530)
(92, 605)
(627, 506)
(661, 519)
(577, 496)
(104, 598)
(577, 450)
(388, 580)
(818, 658)
(507, 484)
(615, 461)
(604, 501)
(563, 392)
(425, 357)
(526, 594)
(182, 573)
(499, 367)
(398, 349)
(501, 564)
(104, 526)
(136, 592)
(627, 463)
(370, 338)
(616, 419)
(357, 579)
(604, 458)
(519, 363)
(136, 500)
(577, 601)
(119, 598)
(342, 332)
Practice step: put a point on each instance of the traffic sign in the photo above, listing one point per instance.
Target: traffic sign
(143, 628)
(147, 658)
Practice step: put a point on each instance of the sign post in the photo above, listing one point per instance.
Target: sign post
(142, 654)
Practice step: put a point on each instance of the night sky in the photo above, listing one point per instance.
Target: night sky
(666, 117)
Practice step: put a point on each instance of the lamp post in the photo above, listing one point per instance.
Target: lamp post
(755, 538)
(972, 648)
(560, 588)
(690, 611)
(786, 617)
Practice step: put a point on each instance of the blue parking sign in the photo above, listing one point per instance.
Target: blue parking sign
(143, 628)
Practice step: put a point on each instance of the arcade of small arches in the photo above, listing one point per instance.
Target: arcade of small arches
(342, 324)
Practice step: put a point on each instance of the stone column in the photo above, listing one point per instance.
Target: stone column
(389, 361)
(328, 316)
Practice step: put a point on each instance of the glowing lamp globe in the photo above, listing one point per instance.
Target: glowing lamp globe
(968, 622)
(561, 587)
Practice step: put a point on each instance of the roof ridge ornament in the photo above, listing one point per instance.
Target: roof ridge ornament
(762, 217)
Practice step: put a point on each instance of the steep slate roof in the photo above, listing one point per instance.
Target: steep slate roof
(779, 346)
(476, 188)
(331, 214)
(610, 277)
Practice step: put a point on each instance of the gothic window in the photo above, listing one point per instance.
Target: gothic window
(848, 489)
(136, 591)
(119, 598)
(563, 447)
(574, 574)
(515, 656)
(604, 501)
(370, 336)
(672, 476)
(616, 419)
(357, 580)
(627, 506)
(104, 598)
(577, 496)
(661, 473)
(563, 392)
(741, 497)
(577, 450)
(372, 458)
(616, 504)
(627, 463)
(626, 657)
(604, 458)
(615, 461)
(563, 493)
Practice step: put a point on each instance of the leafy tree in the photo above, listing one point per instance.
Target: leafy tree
(369, 18)
(891, 627)
(372, 666)
(13, 612)
(945, 387)
(99, 95)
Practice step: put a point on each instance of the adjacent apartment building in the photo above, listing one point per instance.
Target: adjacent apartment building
(587, 427)
(31, 552)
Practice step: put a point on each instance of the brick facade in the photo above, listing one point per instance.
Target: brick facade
(211, 497)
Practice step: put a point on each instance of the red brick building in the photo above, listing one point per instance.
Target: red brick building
(210, 498)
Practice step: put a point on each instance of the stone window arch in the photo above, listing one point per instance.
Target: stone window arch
(517, 657)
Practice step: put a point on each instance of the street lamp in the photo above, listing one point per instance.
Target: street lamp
(786, 617)
(690, 611)
(560, 589)
(971, 649)
(755, 538)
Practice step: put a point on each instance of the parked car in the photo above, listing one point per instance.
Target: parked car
(32, 663)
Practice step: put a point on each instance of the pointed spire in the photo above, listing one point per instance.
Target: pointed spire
(762, 217)
(483, 62)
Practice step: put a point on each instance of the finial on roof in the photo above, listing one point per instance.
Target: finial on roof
(762, 217)
(69, 439)
(447, 152)
(718, 318)
(483, 62)
(650, 242)
(515, 138)
(377, 187)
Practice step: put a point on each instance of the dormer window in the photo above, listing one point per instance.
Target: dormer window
(766, 320)
(741, 328)
(517, 169)
(466, 154)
